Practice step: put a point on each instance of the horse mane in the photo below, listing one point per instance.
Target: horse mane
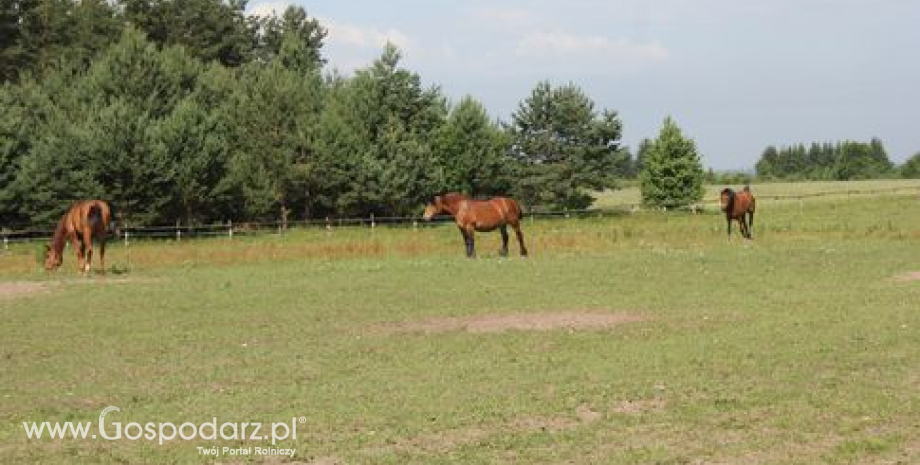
(451, 200)
(730, 208)
(454, 196)
(59, 240)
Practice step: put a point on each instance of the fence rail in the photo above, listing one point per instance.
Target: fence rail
(179, 232)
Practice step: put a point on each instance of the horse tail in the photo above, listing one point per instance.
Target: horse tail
(751, 212)
(94, 214)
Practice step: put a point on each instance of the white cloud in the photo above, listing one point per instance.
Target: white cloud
(505, 15)
(350, 46)
(572, 45)
(364, 37)
(268, 8)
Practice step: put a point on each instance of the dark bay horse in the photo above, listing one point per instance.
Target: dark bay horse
(84, 221)
(739, 206)
(480, 215)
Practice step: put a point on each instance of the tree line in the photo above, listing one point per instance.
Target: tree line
(827, 161)
(195, 111)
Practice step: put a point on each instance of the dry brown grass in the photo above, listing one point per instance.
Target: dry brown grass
(497, 323)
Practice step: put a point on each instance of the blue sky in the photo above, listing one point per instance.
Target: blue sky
(736, 75)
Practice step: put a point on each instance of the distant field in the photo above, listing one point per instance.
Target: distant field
(633, 338)
(779, 190)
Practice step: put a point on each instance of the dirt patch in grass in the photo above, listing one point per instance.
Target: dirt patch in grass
(16, 289)
(497, 323)
(638, 407)
(108, 279)
(907, 277)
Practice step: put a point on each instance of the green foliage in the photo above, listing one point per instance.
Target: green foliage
(294, 34)
(275, 109)
(375, 141)
(841, 161)
(208, 29)
(564, 147)
(39, 34)
(472, 151)
(673, 174)
(911, 168)
(723, 178)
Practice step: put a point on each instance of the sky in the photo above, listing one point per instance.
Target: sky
(735, 75)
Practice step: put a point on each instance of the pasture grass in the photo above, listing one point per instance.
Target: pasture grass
(778, 191)
(800, 347)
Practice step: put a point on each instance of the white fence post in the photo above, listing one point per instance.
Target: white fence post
(230, 228)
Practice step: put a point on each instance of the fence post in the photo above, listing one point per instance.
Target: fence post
(178, 232)
(415, 225)
(373, 224)
(6, 243)
(328, 224)
(126, 237)
(230, 228)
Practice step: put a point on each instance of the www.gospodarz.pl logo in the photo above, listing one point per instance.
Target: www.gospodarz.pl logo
(160, 432)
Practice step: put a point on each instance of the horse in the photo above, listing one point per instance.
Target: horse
(480, 215)
(84, 221)
(739, 206)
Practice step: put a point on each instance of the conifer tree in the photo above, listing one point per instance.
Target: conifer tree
(673, 174)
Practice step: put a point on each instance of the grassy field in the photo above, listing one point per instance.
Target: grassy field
(644, 338)
(781, 191)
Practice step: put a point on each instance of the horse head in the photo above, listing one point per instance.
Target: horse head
(53, 259)
(727, 199)
(435, 207)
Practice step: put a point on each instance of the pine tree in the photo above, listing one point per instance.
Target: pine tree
(673, 175)
(565, 148)
(471, 152)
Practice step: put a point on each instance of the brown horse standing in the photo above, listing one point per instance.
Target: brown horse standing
(84, 221)
(739, 206)
(480, 215)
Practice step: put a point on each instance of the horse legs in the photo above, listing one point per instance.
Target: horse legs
(751, 224)
(729, 221)
(78, 249)
(88, 244)
(504, 251)
(468, 240)
(520, 238)
(102, 255)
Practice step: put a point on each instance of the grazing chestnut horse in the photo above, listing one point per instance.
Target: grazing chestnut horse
(739, 206)
(84, 221)
(480, 215)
